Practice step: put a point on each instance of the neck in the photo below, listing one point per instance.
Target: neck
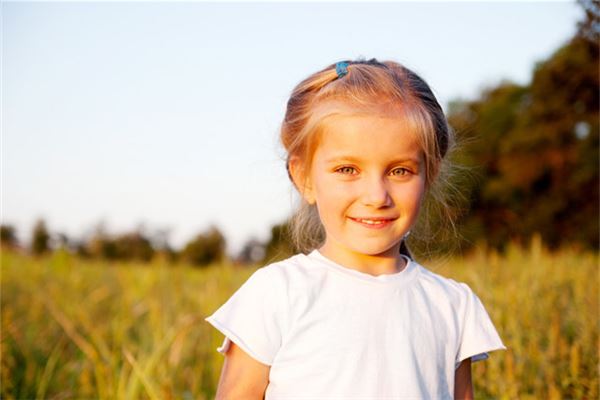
(389, 262)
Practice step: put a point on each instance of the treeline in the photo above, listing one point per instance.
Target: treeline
(205, 248)
(534, 152)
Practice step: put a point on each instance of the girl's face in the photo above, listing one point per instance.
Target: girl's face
(367, 179)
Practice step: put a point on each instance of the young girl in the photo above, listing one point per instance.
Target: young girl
(356, 317)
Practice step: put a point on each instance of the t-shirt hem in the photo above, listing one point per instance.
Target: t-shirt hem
(237, 340)
(480, 355)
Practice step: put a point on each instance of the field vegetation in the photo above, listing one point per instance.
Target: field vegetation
(83, 329)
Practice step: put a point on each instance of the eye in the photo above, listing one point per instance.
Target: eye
(400, 171)
(346, 170)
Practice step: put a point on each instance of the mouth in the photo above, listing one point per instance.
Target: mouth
(376, 222)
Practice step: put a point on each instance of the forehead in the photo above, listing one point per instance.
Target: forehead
(368, 136)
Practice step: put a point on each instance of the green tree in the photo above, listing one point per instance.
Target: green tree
(8, 236)
(100, 245)
(40, 238)
(535, 150)
(589, 28)
(206, 248)
(133, 246)
(484, 125)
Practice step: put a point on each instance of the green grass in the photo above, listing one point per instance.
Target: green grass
(74, 329)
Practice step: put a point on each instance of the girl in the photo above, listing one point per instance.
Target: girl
(354, 316)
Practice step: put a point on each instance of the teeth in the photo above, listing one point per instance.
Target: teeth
(371, 222)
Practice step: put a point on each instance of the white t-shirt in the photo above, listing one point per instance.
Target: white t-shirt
(331, 332)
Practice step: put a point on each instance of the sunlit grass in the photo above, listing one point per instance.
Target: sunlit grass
(87, 329)
(545, 307)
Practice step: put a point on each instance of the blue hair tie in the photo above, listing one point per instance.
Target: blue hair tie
(341, 69)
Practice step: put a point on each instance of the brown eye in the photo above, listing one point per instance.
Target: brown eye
(346, 170)
(400, 171)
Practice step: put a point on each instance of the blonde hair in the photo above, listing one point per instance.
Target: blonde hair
(373, 87)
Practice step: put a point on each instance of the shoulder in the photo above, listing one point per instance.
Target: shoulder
(297, 278)
(270, 282)
(266, 292)
(284, 273)
(454, 291)
(291, 268)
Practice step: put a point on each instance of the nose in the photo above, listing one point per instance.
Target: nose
(376, 193)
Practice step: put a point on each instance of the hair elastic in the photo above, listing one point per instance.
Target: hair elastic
(341, 69)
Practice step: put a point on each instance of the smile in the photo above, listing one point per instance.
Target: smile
(373, 222)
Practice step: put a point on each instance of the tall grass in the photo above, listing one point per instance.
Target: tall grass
(86, 329)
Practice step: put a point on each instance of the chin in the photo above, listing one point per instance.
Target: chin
(381, 251)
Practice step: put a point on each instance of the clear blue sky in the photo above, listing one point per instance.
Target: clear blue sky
(167, 113)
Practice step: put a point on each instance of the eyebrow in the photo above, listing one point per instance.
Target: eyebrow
(342, 158)
(354, 159)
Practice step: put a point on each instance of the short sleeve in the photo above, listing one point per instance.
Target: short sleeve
(251, 317)
(479, 336)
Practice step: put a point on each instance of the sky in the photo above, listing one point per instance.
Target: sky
(165, 115)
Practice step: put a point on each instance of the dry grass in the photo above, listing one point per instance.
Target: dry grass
(74, 329)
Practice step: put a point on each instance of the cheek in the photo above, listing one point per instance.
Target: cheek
(411, 195)
(420, 192)
(328, 188)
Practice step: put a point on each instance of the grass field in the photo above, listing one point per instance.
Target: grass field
(75, 329)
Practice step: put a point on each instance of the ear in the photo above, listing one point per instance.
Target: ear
(301, 179)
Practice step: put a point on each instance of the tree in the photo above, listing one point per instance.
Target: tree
(589, 28)
(40, 238)
(8, 236)
(535, 149)
(132, 246)
(100, 245)
(206, 248)
(484, 125)
(125, 246)
(564, 124)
